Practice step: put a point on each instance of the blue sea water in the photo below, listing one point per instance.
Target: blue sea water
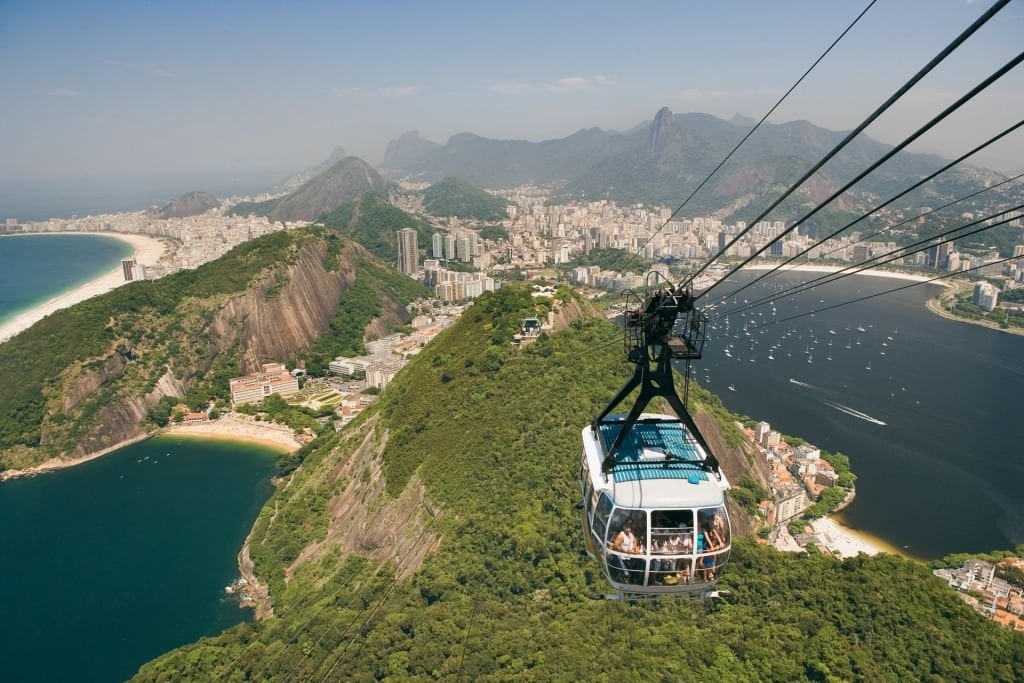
(926, 408)
(113, 562)
(36, 268)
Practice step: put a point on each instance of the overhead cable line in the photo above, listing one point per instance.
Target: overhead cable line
(751, 131)
(875, 261)
(971, 94)
(935, 61)
(874, 210)
(924, 213)
(888, 291)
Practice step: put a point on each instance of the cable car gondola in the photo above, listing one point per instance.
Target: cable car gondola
(653, 504)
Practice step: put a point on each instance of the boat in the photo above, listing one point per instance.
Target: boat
(868, 367)
(860, 328)
(732, 387)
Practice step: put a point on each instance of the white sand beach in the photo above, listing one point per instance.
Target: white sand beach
(240, 429)
(873, 272)
(845, 541)
(148, 251)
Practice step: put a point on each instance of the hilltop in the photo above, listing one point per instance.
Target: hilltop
(345, 180)
(373, 221)
(150, 344)
(453, 197)
(437, 537)
(188, 204)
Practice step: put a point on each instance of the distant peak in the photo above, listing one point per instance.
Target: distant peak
(662, 120)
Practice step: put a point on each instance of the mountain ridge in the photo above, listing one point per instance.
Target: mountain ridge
(661, 161)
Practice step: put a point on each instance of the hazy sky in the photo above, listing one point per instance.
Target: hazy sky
(139, 88)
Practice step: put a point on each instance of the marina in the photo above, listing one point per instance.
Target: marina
(882, 394)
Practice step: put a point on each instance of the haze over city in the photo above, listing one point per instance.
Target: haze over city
(117, 89)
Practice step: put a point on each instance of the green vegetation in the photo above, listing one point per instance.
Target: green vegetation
(962, 307)
(492, 433)
(453, 197)
(493, 232)
(139, 331)
(748, 492)
(61, 395)
(372, 221)
(620, 260)
(346, 180)
(275, 409)
(362, 303)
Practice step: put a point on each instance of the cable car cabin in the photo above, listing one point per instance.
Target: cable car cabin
(657, 520)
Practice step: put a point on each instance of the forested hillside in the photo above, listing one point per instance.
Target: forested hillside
(373, 221)
(436, 538)
(88, 377)
(454, 197)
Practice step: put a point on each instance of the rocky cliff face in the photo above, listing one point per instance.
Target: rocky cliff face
(659, 131)
(277, 318)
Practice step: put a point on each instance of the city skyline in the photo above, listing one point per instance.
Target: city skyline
(120, 89)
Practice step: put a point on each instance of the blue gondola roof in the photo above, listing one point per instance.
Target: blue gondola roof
(679, 455)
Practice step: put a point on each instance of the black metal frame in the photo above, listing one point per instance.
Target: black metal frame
(654, 337)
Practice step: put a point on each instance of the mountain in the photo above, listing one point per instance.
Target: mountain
(188, 204)
(292, 183)
(662, 161)
(436, 538)
(345, 180)
(179, 339)
(407, 150)
(453, 197)
(506, 163)
(373, 222)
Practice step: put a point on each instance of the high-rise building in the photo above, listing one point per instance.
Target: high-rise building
(408, 256)
(985, 295)
(438, 246)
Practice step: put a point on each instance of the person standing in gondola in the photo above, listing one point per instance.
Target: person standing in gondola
(625, 542)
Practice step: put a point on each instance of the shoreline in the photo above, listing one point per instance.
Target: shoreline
(870, 272)
(227, 428)
(231, 428)
(849, 542)
(148, 251)
(952, 285)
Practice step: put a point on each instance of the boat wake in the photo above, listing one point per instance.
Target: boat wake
(855, 413)
(801, 384)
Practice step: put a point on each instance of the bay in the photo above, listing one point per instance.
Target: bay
(930, 428)
(36, 268)
(113, 562)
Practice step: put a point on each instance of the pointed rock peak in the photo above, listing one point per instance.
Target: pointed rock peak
(662, 120)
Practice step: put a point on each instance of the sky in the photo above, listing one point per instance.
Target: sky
(139, 89)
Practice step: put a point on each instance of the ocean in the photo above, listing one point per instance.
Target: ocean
(36, 268)
(113, 562)
(926, 408)
(33, 200)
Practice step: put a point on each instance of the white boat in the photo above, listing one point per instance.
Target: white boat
(732, 387)
(868, 367)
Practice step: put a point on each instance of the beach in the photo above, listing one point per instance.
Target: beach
(843, 541)
(849, 270)
(239, 429)
(148, 251)
(228, 427)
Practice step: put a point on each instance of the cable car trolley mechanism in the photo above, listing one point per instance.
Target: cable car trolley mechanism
(653, 504)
